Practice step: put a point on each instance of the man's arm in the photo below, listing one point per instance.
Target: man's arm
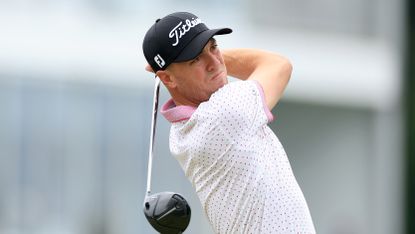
(272, 71)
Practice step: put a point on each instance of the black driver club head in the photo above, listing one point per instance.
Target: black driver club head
(167, 212)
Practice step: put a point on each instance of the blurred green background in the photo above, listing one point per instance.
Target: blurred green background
(75, 106)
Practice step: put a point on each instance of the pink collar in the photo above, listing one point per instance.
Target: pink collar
(175, 113)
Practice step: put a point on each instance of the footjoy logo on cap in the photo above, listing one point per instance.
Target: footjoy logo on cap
(181, 29)
(159, 60)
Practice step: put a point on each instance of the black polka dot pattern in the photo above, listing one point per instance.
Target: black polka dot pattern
(237, 165)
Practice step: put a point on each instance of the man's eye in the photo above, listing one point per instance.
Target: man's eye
(195, 60)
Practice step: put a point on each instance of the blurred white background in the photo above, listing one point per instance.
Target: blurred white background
(75, 106)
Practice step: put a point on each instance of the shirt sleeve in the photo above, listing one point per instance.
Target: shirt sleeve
(239, 108)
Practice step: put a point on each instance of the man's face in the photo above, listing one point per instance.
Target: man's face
(196, 80)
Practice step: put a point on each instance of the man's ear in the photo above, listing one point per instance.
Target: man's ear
(167, 78)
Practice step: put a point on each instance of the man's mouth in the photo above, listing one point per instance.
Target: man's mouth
(216, 76)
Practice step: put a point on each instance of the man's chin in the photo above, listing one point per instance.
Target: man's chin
(224, 81)
(220, 83)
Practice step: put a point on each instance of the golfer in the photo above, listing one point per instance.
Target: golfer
(219, 132)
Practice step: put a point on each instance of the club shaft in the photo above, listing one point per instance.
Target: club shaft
(153, 133)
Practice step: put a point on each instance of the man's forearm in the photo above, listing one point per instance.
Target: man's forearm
(241, 63)
(271, 70)
(237, 64)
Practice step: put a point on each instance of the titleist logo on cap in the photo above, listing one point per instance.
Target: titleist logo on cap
(181, 29)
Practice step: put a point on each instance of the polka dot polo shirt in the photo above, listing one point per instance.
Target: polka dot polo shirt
(236, 164)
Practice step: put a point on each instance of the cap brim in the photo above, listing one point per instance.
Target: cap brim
(195, 47)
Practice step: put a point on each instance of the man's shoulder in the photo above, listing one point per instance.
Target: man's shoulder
(232, 92)
(239, 85)
(230, 101)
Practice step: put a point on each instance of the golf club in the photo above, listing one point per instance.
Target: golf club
(167, 212)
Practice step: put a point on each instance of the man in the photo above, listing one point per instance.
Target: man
(219, 131)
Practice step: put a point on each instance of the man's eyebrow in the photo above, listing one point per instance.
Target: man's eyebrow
(213, 40)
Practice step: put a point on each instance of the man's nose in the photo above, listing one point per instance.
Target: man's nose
(213, 61)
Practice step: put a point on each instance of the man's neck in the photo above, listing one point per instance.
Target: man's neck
(179, 100)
